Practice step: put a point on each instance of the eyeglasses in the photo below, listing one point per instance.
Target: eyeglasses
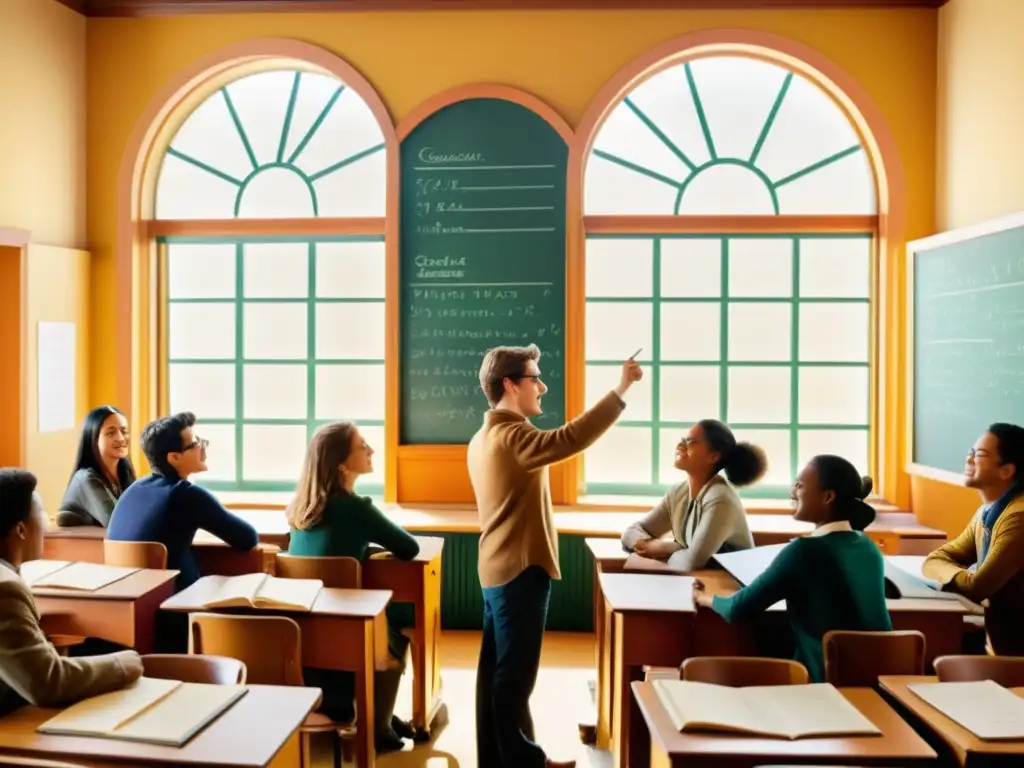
(198, 442)
(688, 441)
(522, 376)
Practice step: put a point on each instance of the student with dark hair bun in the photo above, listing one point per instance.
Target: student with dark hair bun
(832, 579)
(703, 513)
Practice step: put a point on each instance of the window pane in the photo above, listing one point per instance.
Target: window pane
(614, 331)
(851, 444)
(834, 395)
(350, 331)
(837, 267)
(274, 391)
(209, 136)
(201, 270)
(691, 332)
(272, 452)
(374, 437)
(357, 189)
(206, 390)
(622, 455)
(601, 379)
(261, 102)
(185, 191)
(691, 267)
(201, 331)
(759, 394)
(275, 331)
(775, 443)
(761, 268)
(845, 186)
(834, 332)
(350, 270)
(627, 137)
(276, 270)
(689, 393)
(220, 453)
(610, 188)
(620, 267)
(348, 130)
(276, 193)
(731, 190)
(665, 100)
(350, 392)
(760, 332)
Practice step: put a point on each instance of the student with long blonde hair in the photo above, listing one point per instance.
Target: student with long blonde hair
(328, 519)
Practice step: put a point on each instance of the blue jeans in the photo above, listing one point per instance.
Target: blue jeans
(514, 617)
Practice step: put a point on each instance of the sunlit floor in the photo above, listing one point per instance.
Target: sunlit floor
(560, 702)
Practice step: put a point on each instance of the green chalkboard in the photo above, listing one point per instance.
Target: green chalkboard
(482, 261)
(968, 344)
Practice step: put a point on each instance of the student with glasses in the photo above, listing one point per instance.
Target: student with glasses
(167, 508)
(703, 513)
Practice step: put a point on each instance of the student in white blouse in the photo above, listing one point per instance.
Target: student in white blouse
(703, 513)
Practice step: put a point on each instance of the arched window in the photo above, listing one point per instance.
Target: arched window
(267, 336)
(759, 316)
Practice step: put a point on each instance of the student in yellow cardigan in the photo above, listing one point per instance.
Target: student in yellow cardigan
(986, 561)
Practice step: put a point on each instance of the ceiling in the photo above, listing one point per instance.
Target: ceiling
(181, 7)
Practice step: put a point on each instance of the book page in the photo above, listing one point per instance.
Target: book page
(86, 577)
(294, 594)
(230, 591)
(801, 711)
(32, 571)
(178, 717)
(984, 708)
(694, 706)
(102, 715)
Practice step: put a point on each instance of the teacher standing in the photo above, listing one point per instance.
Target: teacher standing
(508, 466)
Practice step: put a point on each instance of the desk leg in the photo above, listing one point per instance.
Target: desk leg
(365, 750)
(605, 650)
(426, 666)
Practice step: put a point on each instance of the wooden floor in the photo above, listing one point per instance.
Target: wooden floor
(560, 702)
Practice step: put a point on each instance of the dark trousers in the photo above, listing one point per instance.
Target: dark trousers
(514, 618)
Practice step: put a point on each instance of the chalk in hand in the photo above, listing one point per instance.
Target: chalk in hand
(633, 356)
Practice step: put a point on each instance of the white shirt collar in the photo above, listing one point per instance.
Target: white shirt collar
(8, 565)
(834, 527)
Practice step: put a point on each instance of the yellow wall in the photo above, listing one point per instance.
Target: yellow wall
(980, 160)
(42, 132)
(562, 57)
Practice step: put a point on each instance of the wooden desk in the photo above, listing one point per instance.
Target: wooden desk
(345, 630)
(963, 744)
(418, 582)
(123, 612)
(260, 726)
(672, 749)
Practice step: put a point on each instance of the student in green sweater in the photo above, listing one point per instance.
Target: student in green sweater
(328, 519)
(832, 579)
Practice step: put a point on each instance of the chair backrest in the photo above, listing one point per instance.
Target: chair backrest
(741, 671)
(269, 646)
(334, 572)
(1008, 671)
(859, 658)
(135, 554)
(219, 670)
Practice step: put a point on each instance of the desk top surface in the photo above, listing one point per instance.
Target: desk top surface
(950, 731)
(344, 603)
(131, 587)
(247, 735)
(897, 742)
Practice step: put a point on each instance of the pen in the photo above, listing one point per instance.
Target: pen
(633, 356)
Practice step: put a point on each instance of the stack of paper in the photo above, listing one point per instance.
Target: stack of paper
(984, 708)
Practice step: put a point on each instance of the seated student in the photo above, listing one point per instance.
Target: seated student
(832, 579)
(328, 519)
(704, 513)
(102, 470)
(31, 670)
(167, 508)
(986, 561)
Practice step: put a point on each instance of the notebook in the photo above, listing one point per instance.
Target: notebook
(82, 577)
(985, 708)
(780, 711)
(260, 590)
(167, 712)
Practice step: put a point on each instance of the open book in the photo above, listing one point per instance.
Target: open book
(984, 708)
(149, 710)
(59, 574)
(782, 711)
(260, 590)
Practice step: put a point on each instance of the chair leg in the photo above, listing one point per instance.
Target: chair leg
(336, 747)
(305, 751)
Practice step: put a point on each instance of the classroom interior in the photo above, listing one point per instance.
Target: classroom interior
(128, 205)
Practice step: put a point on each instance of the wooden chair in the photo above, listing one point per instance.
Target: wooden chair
(334, 572)
(742, 671)
(135, 554)
(859, 658)
(271, 649)
(218, 670)
(1008, 671)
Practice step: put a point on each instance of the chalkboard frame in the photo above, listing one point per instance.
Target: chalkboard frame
(421, 468)
(917, 248)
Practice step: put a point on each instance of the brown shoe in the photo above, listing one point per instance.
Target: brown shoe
(549, 763)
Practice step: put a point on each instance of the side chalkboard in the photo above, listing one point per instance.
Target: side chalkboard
(968, 367)
(482, 261)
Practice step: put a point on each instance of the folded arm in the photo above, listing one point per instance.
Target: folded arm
(392, 537)
(951, 558)
(654, 524)
(1004, 560)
